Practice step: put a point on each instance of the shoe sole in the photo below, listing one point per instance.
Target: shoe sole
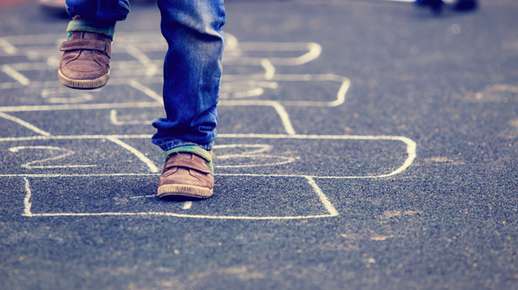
(83, 84)
(184, 190)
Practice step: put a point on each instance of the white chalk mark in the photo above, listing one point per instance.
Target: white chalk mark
(314, 51)
(285, 118)
(340, 95)
(257, 159)
(16, 75)
(322, 197)
(255, 149)
(115, 120)
(27, 199)
(53, 61)
(411, 155)
(246, 88)
(35, 66)
(52, 95)
(24, 124)
(32, 164)
(65, 107)
(150, 164)
(7, 47)
(231, 42)
(143, 196)
(151, 68)
(260, 155)
(279, 109)
(38, 53)
(269, 69)
(146, 90)
(187, 205)
(22, 66)
(409, 143)
(179, 215)
(254, 92)
(339, 100)
(123, 69)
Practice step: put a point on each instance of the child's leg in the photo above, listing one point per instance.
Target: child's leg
(96, 15)
(192, 72)
(85, 62)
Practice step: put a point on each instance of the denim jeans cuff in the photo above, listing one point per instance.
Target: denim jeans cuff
(171, 144)
(83, 25)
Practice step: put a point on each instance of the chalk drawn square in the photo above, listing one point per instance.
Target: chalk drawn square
(63, 157)
(236, 198)
(234, 118)
(310, 90)
(305, 155)
(54, 97)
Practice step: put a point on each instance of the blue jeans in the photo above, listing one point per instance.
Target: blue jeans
(192, 66)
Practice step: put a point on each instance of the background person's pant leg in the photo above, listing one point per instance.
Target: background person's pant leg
(192, 72)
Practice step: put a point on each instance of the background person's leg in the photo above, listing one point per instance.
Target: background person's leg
(192, 72)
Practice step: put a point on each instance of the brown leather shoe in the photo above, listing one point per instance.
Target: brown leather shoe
(186, 174)
(85, 63)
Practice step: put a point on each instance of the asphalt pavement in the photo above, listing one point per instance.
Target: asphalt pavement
(362, 145)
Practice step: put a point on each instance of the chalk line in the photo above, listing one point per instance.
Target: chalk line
(279, 109)
(16, 75)
(314, 51)
(323, 198)
(30, 165)
(258, 152)
(285, 118)
(179, 215)
(269, 69)
(143, 196)
(7, 47)
(115, 121)
(27, 199)
(65, 107)
(24, 124)
(146, 90)
(51, 95)
(151, 68)
(150, 164)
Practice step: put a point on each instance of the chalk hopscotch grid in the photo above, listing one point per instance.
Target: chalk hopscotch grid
(138, 45)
